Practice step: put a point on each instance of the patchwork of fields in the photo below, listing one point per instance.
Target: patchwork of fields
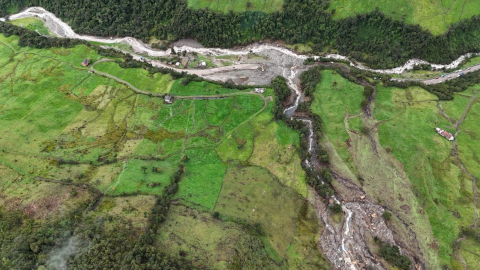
(417, 174)
(63, 127)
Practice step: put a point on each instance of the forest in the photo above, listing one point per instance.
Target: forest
(372, 38)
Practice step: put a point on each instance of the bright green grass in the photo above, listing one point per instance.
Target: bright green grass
(198, 121)
(266, 6)
(218, 110)
(33, 24)
(335, 96)
(440, 186)
(470, 252)
(199, 88)
(285, 135)
(203, 177)
(132, 178)
(244, 107)
(238, 145)
(434, 16)
(468, 136)
(282, 161)
(140, 78)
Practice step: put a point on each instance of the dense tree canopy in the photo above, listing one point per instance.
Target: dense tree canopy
(371, 38)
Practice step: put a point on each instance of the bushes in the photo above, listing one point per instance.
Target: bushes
(282, 92)
(310, 79)
(387, 215)
(392, 255)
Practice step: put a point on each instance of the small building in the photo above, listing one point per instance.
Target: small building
(85, 62)
(259, 90)
(168, 99)
(177, 64)
(447, 135)
(203, 64)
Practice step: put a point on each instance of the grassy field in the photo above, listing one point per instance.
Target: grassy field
(266, 6)
(437, 180)
(434, 16)
(62, 124)
(253, 194)
(415, 176)
(140, 78)
(338, 100)
(33, 24)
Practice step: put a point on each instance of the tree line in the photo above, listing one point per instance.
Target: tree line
(372, 38)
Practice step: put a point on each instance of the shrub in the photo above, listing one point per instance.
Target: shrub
(387, 215)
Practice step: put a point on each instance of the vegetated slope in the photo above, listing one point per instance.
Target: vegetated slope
(434, 16)
(89, 170)
(373, 37)
(433, 189)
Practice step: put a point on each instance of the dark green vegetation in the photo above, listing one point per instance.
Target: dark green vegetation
(371, 37)
(94, 175)
(421, 178)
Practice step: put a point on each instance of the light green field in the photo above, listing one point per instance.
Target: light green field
(415, 174)
(434, 16)
(140, 78)
(33, 24)
(199, 88)
(437, 180)
(225, 6)
(65, 129)
(338, 100)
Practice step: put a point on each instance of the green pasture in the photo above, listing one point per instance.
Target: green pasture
(223, 242)
(407, 131)
(137, 176)
(336, 98)
(225, 6)
(199, 89)
(253, 194)
(282, 160)
(218, 110)
(434, 16)
(33, 24)
(138, 77)
(203, 177)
